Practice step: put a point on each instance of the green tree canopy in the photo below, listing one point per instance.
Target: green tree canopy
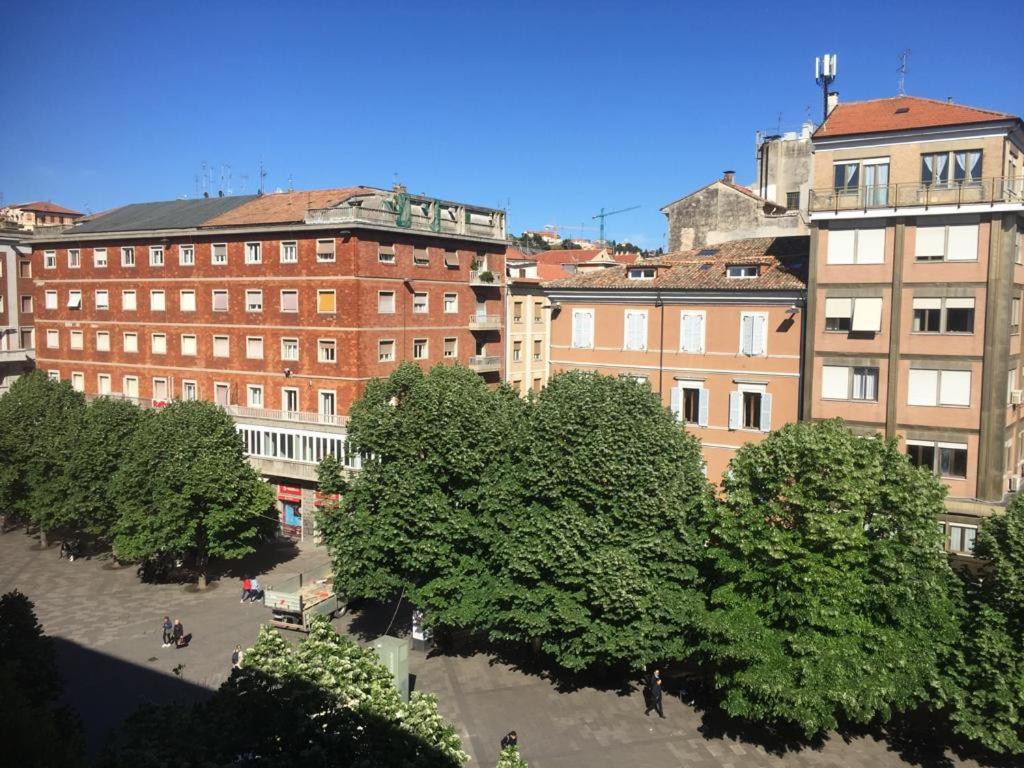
(185, 488)
(831, 596)
(38, 422)
(989, 705)
(325, 702)
(597, 561)
(509, 758)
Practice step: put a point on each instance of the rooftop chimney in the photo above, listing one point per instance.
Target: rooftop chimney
(833, 100)
(729, 177)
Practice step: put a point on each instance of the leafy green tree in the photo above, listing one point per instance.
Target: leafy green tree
(439, 448)
(831, 596)
(326, 702)
(38, 420)
(185, 488)
(100, 447)
(509, 758)
(37, 732)
(989, 703)
(597, 564)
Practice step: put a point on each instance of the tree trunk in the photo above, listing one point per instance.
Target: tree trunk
(201, 583)
(42, 538)
(535, 645)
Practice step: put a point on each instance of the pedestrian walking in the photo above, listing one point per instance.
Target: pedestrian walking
(653, 691)
(236, 657)
(255, 590)
(246, 589)
(178, 634)
(168, 629)
(510, 739)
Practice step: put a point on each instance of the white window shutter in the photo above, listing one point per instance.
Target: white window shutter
(697, 326)
(676, 400)
(702, 408)
(840, 246)
(759, 332)
(867, 315)
(747, 334)
(735, 407)
(766, 412)
(588, 329)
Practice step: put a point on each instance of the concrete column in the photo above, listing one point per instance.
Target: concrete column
(810, 327)
(895, 329)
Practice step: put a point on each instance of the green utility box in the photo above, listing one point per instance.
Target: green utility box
(394, 653)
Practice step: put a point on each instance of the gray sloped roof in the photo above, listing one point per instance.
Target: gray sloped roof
(172, 214)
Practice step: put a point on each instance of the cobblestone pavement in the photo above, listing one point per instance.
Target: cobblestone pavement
(107, 626)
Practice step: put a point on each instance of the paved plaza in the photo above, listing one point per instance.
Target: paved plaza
(107, 626)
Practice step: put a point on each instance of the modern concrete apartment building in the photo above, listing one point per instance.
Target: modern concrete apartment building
(16, 306)
(279, 308)
(717, 332)
(915, 289)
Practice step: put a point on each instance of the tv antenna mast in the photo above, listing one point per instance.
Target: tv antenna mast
(602, 216)
(824, 74)
(901, 70)
(263, 176)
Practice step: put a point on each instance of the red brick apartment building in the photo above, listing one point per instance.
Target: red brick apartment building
(277, 307)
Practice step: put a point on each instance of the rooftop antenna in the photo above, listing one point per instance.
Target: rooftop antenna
(291, 183)
(824, 74)
(901, 70)
(263, 175)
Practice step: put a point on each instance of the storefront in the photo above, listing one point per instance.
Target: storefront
(289, 500)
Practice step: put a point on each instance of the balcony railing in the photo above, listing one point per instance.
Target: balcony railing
(481, 322)
(360, 214)
(484, 363)
(485, 278)
(304, 417)
(918, 195)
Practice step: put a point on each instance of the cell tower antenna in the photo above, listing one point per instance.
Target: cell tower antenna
(824, 74)
(901, 70)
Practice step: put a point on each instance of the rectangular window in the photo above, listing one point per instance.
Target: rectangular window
(103, 384)
(186, 255)
(156, 255)
(219, 253)
(635, 331)
(254, 394)
(131, 342)
(289, 300)
(130, 386)
(325, 249)
(385, 351)
(750, 407)
(1015, 315)
(254, 347)
(74, 258)
(835, 382)
(583, 328)
(939, 388)
(49, 259)
(753, 333)
(691, 397)
(921, 455)
(50, 300)
(160, 390)
(751, 410)
(25, 268)
(792, 201)
(847, 177)
(325, 301)
(158, 343)
(839, 315)
(189, 390)
(967, 167)
(647, 273)
(952, 460)
(289, 252)
(74, 299)
(99, 258)
(157, 301)
(451, 303)
(385, 302)
(867, 315)
(419, 349)
(52, 339)
(865, 384)
(221, 346)
(102, 299)
(189, 345)
(538, 350)
(517, 351)
(102, 341)
(222, 394)
(128, 256)
(935, 168)
(128, 302)
(451, 259)
(946, 242)
(741, 270)
(254, 301)
(326, 350)
(220, 301)
(26, 304)
(78, 381)
(691, 332)
(77, 340)
(326, 402)
(386, 254)
(290, 349)
(959, 315)
(538, 312)
(856, 246)
(420, 257)
(960, 538)
(254, 253)
(419, 303)
(927, 315)
(289, 400)
(187, 300)
(451, 347)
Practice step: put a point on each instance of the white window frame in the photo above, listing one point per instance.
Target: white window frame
(677, 399)
(76, 339)
(321, 400)
(218, 387)
(455, 348)
(52, 338)
(288, 251)
(227, 346)
(288, 342)
(451, 303)
(157, 256)
(99, 258)
(157, 300)
(213, 254)
(74, 258)
(385, 254)
(426, 348)
(128, 256)
(322, 345)
(104, 384)
(187, 255)
(189, 390)
(250, 305)
(75, 299)
(133, 347)
(129, 300)
(289, 291)
(51, 300)
(625, 330)
(938, 396)
(49, 259)
(250, 341)
(740, 271)
(105, 295)
(254, 252)
(213, 300)
(188, 305)
(130, 386)
(324, 292)
(382, 307)
(334, 250)
(102, 341)
(189, 345)
(153, 346)
(380, 353)
(763, 352)
(426, 302)
(703, 331)
(593, 324)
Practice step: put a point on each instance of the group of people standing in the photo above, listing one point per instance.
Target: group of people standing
(252, 591)
(174, 634)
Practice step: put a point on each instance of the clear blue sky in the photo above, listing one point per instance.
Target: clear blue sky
(555, 108)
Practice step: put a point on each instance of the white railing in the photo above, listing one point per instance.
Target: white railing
(304, 417)
(481, 321)
(485, 362)
(348, 215)
(484, 277)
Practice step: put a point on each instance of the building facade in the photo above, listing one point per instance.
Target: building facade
(716, 332)
(915, 290)
(17, 306)
(279, 308)
(29, 216)
(527, 331)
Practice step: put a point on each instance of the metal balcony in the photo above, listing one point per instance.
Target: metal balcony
(299, 417)
(918, 195)
(484, 278)
(481, 322)
(485, 363)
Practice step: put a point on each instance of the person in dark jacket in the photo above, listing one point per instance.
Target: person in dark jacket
(510, 739)
(653, 692)
(168, 629)
(178, 634)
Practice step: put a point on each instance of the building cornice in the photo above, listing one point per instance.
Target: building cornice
(673, 296)
(994, 128)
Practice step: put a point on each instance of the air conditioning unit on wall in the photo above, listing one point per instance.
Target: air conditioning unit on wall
(1016, 396)
(1015, 482)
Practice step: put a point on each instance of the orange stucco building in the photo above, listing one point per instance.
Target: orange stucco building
(717, 333)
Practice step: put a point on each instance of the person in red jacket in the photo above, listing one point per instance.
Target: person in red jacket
(246, 589)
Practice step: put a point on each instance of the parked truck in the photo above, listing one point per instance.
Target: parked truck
(295, 601)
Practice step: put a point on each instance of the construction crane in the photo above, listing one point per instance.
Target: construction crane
(570, 227)
(602, 216)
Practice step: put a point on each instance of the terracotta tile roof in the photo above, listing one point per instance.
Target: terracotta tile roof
(783, 262)
(901, 113)
(514, 254)
(284, 207)
(549, 263)
(44, 207)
